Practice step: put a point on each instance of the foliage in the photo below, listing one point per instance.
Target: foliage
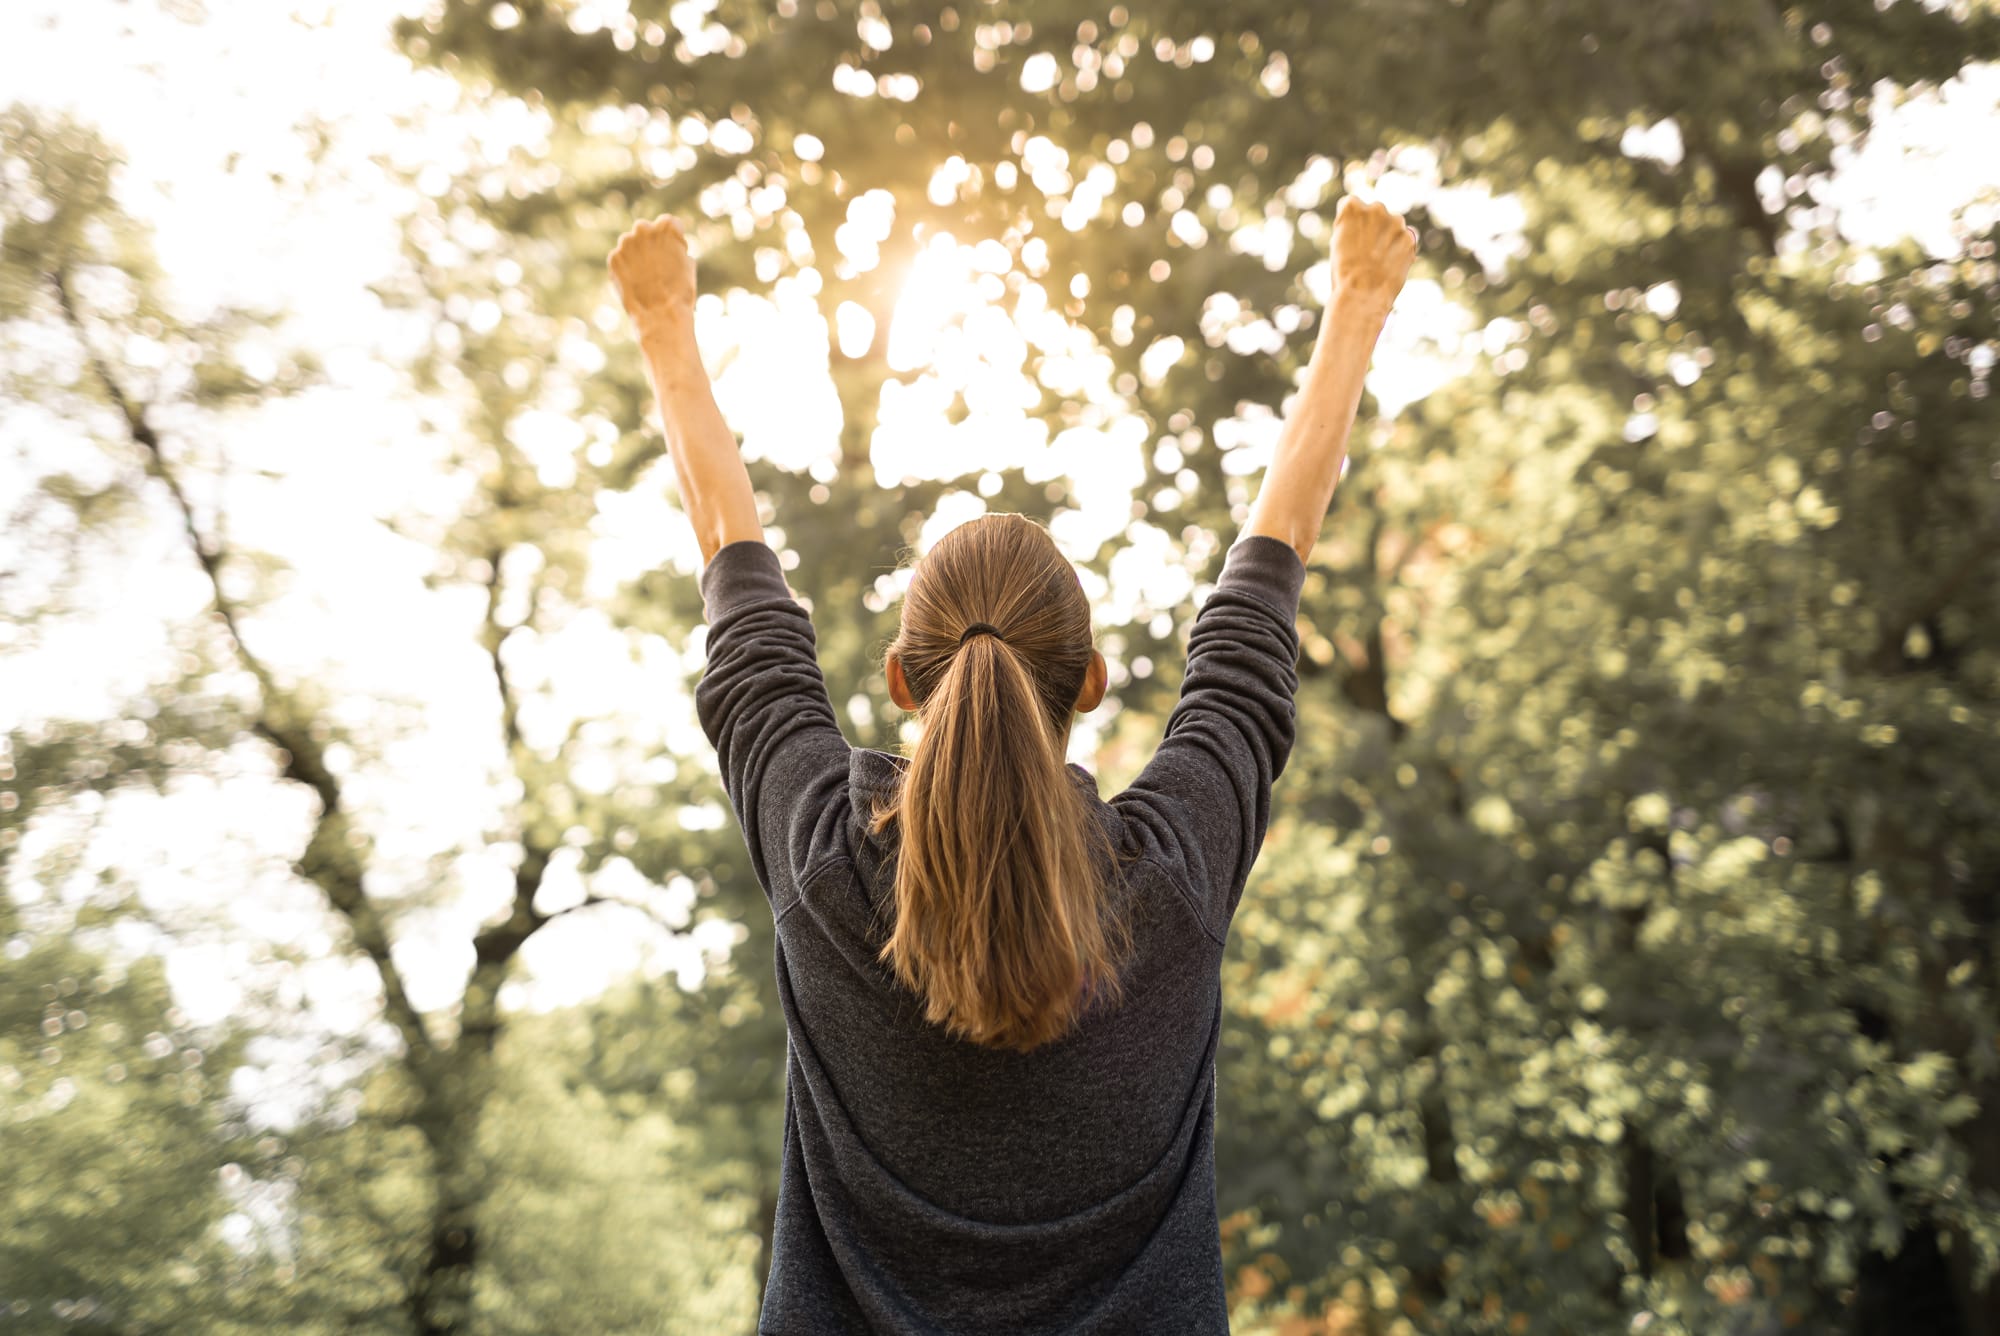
(1622, 955)
(119, 1169)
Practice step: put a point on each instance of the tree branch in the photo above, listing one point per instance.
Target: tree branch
(330, 860)
(593, 899)
(495, 946)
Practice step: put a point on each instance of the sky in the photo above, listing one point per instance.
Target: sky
(205, 113)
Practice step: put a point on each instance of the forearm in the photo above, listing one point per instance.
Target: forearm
(1298, 484)
(714, 486)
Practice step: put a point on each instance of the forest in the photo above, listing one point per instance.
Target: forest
(1622, 957)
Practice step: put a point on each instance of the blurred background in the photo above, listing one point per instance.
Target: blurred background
(377, 952)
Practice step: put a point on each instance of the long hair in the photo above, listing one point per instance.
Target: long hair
(1001, 924)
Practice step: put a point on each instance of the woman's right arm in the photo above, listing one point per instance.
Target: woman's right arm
(1201, 805)
(1203, 801)
(1372, 249)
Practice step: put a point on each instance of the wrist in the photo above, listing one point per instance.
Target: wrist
(1349, 328)
(1360, 308)
(671, 353)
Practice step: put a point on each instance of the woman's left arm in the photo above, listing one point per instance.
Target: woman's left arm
(655, 278)
(761, 699)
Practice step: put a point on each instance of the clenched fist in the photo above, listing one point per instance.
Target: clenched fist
(655, 276)
(1372, 250)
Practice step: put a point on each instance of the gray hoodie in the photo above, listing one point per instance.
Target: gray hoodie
(930, 1185)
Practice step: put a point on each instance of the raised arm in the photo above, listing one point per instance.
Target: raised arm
(1202, 804)
(1372, 249)
(655, 279)
(761, 699)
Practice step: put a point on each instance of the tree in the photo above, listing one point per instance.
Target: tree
(74, 268)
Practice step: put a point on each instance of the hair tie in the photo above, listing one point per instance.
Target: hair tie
(981, 628)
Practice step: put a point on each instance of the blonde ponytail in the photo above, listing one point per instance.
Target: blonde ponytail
(1000, 926)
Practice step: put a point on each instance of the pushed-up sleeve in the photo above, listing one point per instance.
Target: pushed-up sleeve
(1203, 801)
(763, 703)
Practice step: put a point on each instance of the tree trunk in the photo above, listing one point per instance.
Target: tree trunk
(441, 1298)
(456, 1092)
(1978, 1309)
(1655, 1211)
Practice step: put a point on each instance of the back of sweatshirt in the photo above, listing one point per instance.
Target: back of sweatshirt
(930, 1185)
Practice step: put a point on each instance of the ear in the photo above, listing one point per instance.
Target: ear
(1092, 693)
(899, 686)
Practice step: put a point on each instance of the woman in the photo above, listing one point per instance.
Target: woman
(1002, 992)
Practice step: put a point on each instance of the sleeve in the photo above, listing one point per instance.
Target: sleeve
(763, 703)
(1203, 801)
